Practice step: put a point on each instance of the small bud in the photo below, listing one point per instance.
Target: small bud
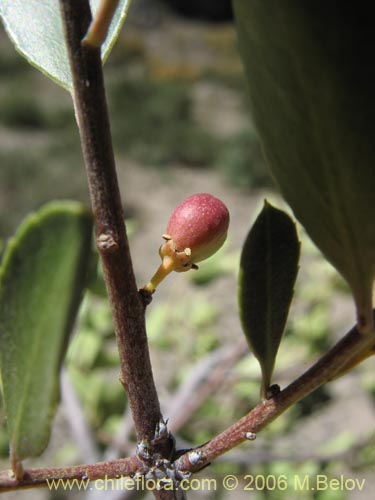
(196, 230)
(250, 436)
(143, 451)
(195, 457)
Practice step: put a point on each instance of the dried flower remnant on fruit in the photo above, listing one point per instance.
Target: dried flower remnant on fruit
(196, 230)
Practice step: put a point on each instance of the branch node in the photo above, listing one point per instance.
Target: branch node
(161, 431)
(250, 436)
(195, 457)
(106, 242)
(143, 452)
(272, 391)
(18, 471)
(146, 297)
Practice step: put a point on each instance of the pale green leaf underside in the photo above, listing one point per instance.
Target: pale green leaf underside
(42, 277)
(268, 270)
(35, 27)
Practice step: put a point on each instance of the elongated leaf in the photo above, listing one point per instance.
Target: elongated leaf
(311, 84)
(35, 27)
(42, 277)
(268, 270)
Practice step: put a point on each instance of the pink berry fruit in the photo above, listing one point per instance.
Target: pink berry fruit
(196, 230)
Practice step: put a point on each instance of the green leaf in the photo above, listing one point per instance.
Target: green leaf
(312, 95)
(35, 28)
(268, 270)
(42, 278)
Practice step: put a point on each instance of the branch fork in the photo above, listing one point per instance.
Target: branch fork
(156, 456)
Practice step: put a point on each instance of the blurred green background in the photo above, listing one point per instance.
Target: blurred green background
(181, 124)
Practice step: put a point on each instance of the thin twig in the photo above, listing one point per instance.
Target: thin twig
(265, 412)
(127, 308)
(262, 456)
(43, 478)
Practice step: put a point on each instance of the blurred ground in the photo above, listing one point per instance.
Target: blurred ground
(181, 125)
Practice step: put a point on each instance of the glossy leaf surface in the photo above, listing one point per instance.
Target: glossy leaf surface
(268, 270)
